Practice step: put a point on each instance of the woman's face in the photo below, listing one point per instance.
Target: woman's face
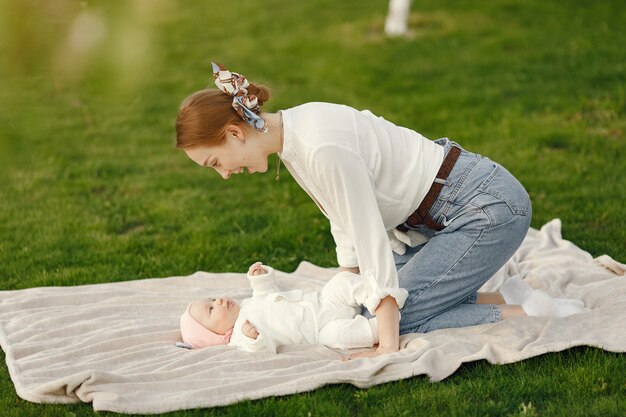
(231, 157)
(216, 314)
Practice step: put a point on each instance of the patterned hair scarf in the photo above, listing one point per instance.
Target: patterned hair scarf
(246, 105)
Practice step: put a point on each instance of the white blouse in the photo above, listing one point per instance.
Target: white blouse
(367, 176)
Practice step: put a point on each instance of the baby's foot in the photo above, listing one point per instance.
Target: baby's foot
(257, 269)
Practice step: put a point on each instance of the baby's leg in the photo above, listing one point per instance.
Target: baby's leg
(346, 289)
(358, 332)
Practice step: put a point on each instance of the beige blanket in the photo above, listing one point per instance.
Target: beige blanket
(113, 344)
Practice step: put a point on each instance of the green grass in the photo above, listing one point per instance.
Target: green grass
(92, 190)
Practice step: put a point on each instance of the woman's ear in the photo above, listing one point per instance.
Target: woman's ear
(236, 132)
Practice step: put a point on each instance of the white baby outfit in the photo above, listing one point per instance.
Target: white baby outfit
(329, 317)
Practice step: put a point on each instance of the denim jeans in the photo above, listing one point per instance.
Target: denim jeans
(486, 213)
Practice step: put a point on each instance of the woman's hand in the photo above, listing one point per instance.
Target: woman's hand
(380, 350)
(388, 329)
(249, 330)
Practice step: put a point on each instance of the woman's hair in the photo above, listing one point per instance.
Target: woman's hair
(204, 115)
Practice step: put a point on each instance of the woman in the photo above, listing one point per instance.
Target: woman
(382, 187)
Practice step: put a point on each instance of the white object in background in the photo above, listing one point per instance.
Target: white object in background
(397, 17)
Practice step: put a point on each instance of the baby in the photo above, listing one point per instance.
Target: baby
(273, 318)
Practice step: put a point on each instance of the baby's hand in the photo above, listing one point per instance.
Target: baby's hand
(249, 330)
(257, 269)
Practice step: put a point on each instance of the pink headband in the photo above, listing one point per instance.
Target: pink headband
(199, 336)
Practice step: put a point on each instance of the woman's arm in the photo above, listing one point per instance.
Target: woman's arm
(388, 329)
(347, 193)
(354, 270)
(387, 314)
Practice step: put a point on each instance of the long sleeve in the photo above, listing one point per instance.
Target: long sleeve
(262, 343)
(263, 284)
(342, 178)
(346, 254)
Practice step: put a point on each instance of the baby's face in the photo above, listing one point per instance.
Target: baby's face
(216, 314)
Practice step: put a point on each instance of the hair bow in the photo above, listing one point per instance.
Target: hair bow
(246, 105)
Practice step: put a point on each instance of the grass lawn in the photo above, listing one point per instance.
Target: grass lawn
(92, 190)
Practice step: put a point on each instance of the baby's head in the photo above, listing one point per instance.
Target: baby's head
(209, 322)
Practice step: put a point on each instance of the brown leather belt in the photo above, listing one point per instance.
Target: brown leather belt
(420, 216)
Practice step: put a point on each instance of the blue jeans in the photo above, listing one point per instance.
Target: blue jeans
(486, 213)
